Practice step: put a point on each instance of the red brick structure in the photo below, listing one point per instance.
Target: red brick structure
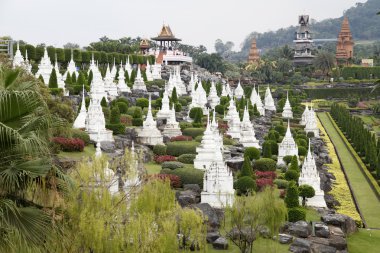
(253, 53)
(345, 44)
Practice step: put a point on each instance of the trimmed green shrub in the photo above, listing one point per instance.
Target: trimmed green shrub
(301, 142)
(273, 147)
(294, 164)
(142, 102)
(56, 91)
(291, 198)
(302, 151)
(172, 165)
(178, 107)
(219, 109)
(117, 128)
(310, 135)
(79, 134)
(246, 169)
(267, 149)
(265, 164)
(296, 214)
(194, 111)
(137, 122)
(159, 149)
(123, 107)
(228, 141)
(244, 185)
(292, 175)
(183, 125)
(187, 158)
(281, 183)
(280, 129)
(174, 97)
(181, 147)
(103, 103)
(287, 159)
(53, 82)
(115, 115)
(199, 139)
(193, 132)
(188, 176)
(306, 191)
(273, 135)
(135, 111)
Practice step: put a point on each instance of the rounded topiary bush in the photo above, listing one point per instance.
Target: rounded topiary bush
(187, 158)
(273, 147)
(172, 165)
(187, 176)
(265, 164)
(244, 185)
(137, 122)
(79, 134)
(292, 175)
(301, 142)
(116, 128)
(142, 102)
(296, 214)
(228, 141)
(183, 125)
(199, 138)
(302, 151)
(159, 149)
(287, 159)
(193, 132)
(310, 135)
(123, 107)
(194, 111)
(181, 147)
(281, 183)
(252, 153)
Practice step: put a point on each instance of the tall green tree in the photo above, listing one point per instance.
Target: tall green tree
(324, 61)
(53, 82)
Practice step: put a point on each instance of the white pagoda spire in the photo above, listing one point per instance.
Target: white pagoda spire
(311, 123)
(121, 85)
(287, 147)
(304, 115)
(259, 104)
(287, 110)
(150, 135)
(213, 98)
(45, 68)
(18, 60)
(268, 100)
(253, 97)
(71, 68)
(172, 128)
(139, 83)
(239, 92)
(80, 121)
(113, 70)
(247, 132)
(164, 112)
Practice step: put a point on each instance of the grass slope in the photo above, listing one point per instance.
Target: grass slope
(364, 241)
(367, 200)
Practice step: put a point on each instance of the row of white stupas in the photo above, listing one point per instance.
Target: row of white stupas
(309, 120)
(218, 188)
(18, 60)
(175, 81)
(242, 131)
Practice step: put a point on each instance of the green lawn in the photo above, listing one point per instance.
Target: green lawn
(154, 168)
(260, 246)
(364, 241)
(366, 198)
(88, 151)
(312, 215)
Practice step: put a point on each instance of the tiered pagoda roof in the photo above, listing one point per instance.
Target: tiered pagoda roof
(166, 34)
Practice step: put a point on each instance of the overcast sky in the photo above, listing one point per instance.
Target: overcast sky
(196, 22)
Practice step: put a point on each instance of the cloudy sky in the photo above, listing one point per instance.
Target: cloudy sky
(196, 22)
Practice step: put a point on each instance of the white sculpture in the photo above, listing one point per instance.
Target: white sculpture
(18, 60)
(310, 176)
(304, 116)
(254, 96)
(121, 85)
(239, 92)
(234, 124)
(287, 147)
(139, 83)
(128, 67)
(172, 128)
(311, 123)
(71, 68)
(268, 101)
(287, 111)
(192, 83)
(164, 112)
(97, 84)
(224, 91)
(156, 71)
(113, 70)
(80, 121)
(149, 134)
(259, 103)
(148, 71)
(247, 132)
(60, 82)
(45, 68)
(199, 98)
(28, 65)
(213, 98)
(109, 85)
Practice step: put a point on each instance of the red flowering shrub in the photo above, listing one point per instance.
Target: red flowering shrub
(69, 144)
(126, 120)
(175, 181)
(181, 138)
(282, 193)
(164, 158)
(266, 174)
(263, 182)
(222, 126)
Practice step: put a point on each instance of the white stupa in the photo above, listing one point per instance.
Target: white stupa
(192, 83)
(164, 112)
(213, 98)
(80, 121)
(287, 111)
(148, 71)
(132, 176)
(139, 83)
(310, 176)
(114, 70)
(231, 110)
(254, 96)
(268, 100)
(121, 85)
(97, 84)
(304, 115)
(247, 132)
(28, 65)
(180, 85)
(215, 129)
(199, 98)
(45, 68)
(149, 134)
(224, 91)
(234, 124)
(259, 103)
(172, 128)
(311, 123)
(156, 71)
(109, 85)
(71, 68)
(128, 67)
(218, 189)
(239, 92)
(96, 123)
(60, 82)
(18, 60)
(228, 90)
(287, 147)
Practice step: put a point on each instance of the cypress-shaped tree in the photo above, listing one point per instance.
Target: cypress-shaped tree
(41, 79)
(81, 80)
(291, 198)
(126, 75)
(74, 78)
(246, 169)
(174, 97)
(294, 164)
(68, 79)
(103, 103)
(267, 150)
(53, 82)
(198, 117)
(115, 115)
(90, 77)
(143, 73)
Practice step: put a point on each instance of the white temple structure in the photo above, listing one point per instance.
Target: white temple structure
(95, 121)
(121, 85)
(148, 72)
(139, 83)
(254, 96)
(156, 71)
(109, 85)
(311, 123)
(45, 68)
(224, 91)
(97, 84)
(114, 70)
(247, 132)
(175, 81)
(268, 100)
(172, 128)
(132, 175)
(192, 83)
(60, 82)
(199, 98)
(310, 176)
(18, 60)
(128, 67)
(287, 110)
(239, 92)
(80, 121)
(304, 116)
(71, 68)
(28, 65)
(287, 147)
(228, 90)
(213, 98)
(149, 134)
(215, 129)
(259, 103)
(231, 110)
(164, 112)
(234, 123)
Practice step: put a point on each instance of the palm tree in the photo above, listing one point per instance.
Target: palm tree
(26, 170)
(324, 61)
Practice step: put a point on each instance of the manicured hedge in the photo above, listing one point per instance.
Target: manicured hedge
(323, 93)
(187, 158)
(69, 144)
(79, 134)
(116, 128)
(244, 185)
(181, 147)
(187, 176)
(164, 158)
(172, 165)
(193, 132)
(296, 214)
(360, 72)
(159, 149)
(265, 164)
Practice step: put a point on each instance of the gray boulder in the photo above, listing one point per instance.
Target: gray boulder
(245, 233)
(338, 242)
(346, 223)
(209, 213)
(192, 187)
(300, 229)
(220, 243)
(186, 198)
(212, 236)
(336, 231)
(319, 248)
(321, 230)
(285, 239)
(300, 246)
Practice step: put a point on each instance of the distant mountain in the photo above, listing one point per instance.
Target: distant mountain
(365, 25)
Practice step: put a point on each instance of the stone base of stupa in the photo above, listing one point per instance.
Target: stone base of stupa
(315, 131)
(217, 200)
(123, 88)
(270, 108)
(234, 133)
(302, 123)
(104, 135)
(163, 114)
(150, 137)
(139, 85)
(287, 115)
(172, 132)
(250, 143)
(317, 201)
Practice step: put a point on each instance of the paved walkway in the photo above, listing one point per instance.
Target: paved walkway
(366, 199)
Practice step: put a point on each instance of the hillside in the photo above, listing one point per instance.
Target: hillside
(365, 25)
